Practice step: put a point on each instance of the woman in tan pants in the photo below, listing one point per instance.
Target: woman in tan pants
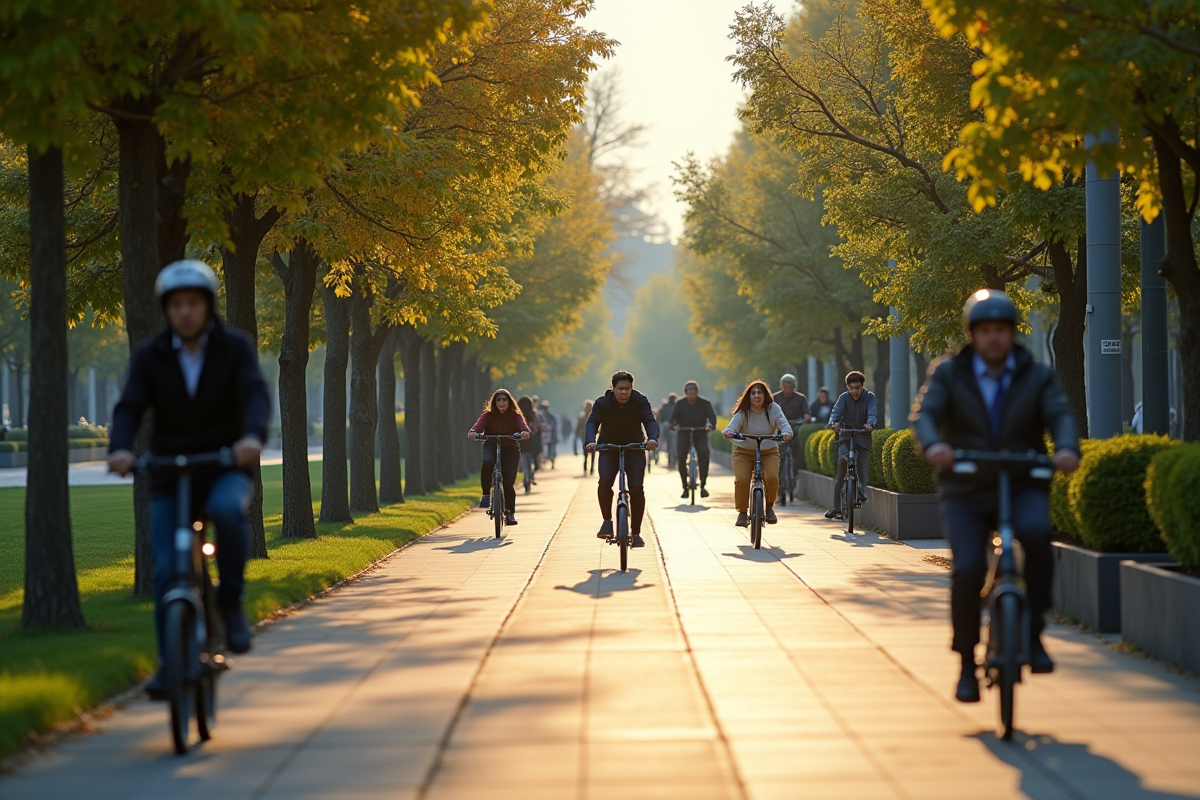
(757, 414)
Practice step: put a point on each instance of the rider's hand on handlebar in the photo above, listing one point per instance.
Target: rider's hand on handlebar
(471, 435)
(940, 456)
(787, 437)
(837, 426)
(1066, 461)
(590, 447)
(121, 462)
(868, 428)
(652, 444)
(728, 434)
(524, 434)
(246, 451)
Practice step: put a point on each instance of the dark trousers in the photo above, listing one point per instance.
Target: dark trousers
(224, 504)
(510, 460)
(970, 522)
(635, 474)
(684, 446)
(843, 466)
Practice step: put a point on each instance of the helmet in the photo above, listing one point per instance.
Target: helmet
(186, 274)
(989, 305)
(788, 377)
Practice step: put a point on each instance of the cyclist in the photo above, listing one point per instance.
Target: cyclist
(581, 425)
(822, 407)
(756, 413)
(856, 408)
(500, 417)
(664, 416)
(992, 395)
(531, 447)
(795, 408)
(622, 416)
(203, 384)
(693, 411)
(549, 424)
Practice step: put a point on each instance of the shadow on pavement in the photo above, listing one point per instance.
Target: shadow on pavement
(865, 539)
(475, 545)
(748, 553)
(689, 509)
(604, 582)
(1048, 767)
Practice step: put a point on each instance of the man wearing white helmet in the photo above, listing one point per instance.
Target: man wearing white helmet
(205, 388)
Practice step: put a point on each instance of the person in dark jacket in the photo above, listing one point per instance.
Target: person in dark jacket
(693, 411)
(857, 409)
(205, 388)
(664, 429)
(822, 407)
(992, 395)
(622, 416)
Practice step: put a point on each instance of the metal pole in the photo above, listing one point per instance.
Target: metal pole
(814, 381)
(1103, 197)
(831, 382)
(1156, 399)
(898, 374)
(91, 395)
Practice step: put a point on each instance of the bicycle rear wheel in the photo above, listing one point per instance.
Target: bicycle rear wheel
(623, 535)
(757, 514)
(1008, 620)
(178, 638)
(851, 502)
(693, 478)
(498, 509)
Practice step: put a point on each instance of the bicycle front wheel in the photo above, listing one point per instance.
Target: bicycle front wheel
(851, 501)
(498, 510)
(1008, 665)
(623, 535)
(757, 514)
(178, 637)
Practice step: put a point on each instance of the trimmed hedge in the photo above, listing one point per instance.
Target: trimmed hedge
(1062, 517)
(10, 447)
(1173, 501)
(812, 452)
(17, 435)
(802, 435)
(1107, 494)
(889, 461)
(911, 473)
(80, 444)
(87, 432)
(829, 455)
(876, 474)
(716, 437)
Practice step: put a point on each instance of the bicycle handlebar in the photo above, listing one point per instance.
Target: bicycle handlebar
(691, 429)
(610, 446)
(493, 437)
(148, 462)
(966, 462)
(758, 437)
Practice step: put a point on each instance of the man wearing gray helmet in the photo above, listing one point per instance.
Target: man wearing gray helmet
(206, 391)
(993, 396)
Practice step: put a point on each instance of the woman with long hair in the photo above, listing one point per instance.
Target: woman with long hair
(533, 447)
(756, 413)
(500, 417)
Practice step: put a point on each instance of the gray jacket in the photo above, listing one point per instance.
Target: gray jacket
(858, 413)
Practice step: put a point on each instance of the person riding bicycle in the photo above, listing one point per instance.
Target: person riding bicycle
(992, 395)
(795, 408)
(856, 408)
(668, 436)
(622, 416)
(693, 411)
(757, 414)
(500, 417)
(549, 423)
(531, 447)
(204, 386)
(581, 425)
(822, 407)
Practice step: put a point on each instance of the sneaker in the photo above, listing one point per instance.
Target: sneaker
(154, 687)
(485, 501)
(606, 530)
(237, 632)
(771, 518)
(510, 518)
(967, 690)
(833, 513)
(742, 521)
(685, 493)
(703, 492)
(638, 541)
(1040, 662)
(862, 498)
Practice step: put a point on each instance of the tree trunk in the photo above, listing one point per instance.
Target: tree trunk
(140, 150)
(430, 416)
(51, 592)
(445, 416)
(410, 355)
(172, 196)
(1071, 281)
(471, 403)
(364, 361)
(335, 494)
(839, 357)
(883, 370)
(299, 277)
(390, 490)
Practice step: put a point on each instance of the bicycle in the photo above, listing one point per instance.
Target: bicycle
(850, 487)
(758, 487)
(787, 469)
(496, 507)
(621, 535)
(693, 463)
(1008, 632)
(528, 460)
(192, 657)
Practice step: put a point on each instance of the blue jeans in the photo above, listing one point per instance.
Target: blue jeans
(225, 503)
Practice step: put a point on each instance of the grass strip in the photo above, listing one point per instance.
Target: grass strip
(50, 676)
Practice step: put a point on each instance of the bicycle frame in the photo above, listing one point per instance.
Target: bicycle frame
(693, 460)
(849, 501)
(757, 485)
(497, 476)
(621, 535)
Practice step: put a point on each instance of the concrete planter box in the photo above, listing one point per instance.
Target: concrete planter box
(1087, 584)
(74, 456)
(1160, 612)
(901, 516)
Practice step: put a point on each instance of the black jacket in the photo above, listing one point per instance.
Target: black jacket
(950, 409)
(621, 424)
(689, 416)
(231, 399)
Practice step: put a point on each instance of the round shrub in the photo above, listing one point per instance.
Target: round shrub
(1062, 516)
(812, 452)
(1107, 494)
(876, 474)
(802, 435)
(829, 454)
(17, 435)
(1158, 493)
(9, 447)
(1173, 500)
(912, 473)
(716, 437)
(888, 461)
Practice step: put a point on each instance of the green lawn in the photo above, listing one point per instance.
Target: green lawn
(49, 676)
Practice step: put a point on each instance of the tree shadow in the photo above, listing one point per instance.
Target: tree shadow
(1049, 766)
(604, 582)
(475, 545)
(762, 556)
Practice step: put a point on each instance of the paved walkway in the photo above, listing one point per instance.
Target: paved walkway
(528, 668)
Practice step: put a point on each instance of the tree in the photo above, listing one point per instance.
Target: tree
(1086, 69)
(660, 350)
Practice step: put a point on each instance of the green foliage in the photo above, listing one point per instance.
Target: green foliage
(911, 472)
(1062, 516)
(1107, 494)
(17, 435)
(802, 436)
(86, 442)
(876, 471)
(716, 438)
(828, 454)
(1170, 501)
(889, 460)
(9, 447)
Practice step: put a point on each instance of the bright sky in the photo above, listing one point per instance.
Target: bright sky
(676, 80)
